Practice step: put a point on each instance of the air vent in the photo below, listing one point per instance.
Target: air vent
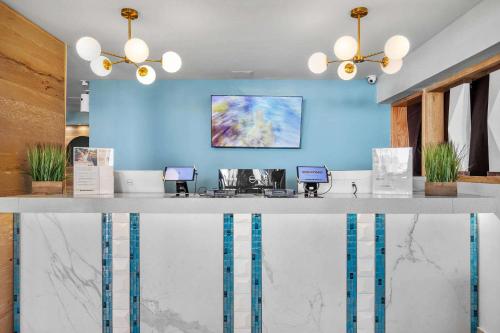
(242, 74)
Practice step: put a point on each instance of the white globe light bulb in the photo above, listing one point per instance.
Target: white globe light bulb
(397, 47)
(345, 48)
(136, 50)
(145, 74)
(393, 66)
(171, 62)
(88, 48)
(317, 63)
(347, 70)
(101, 66)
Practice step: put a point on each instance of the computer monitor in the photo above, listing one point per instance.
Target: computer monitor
(311, 177)
(179, 174)
(252, 180)
(312, 174)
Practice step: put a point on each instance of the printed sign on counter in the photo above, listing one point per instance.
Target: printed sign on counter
(93, 170)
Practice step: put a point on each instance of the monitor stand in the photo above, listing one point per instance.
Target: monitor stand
(181, 188)
(311, 190)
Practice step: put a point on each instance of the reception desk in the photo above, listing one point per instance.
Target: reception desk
(156, 263)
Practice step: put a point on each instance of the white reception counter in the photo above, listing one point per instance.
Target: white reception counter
(329, 204)
(156, 263)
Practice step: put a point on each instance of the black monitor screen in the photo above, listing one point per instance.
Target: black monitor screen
(252, 180)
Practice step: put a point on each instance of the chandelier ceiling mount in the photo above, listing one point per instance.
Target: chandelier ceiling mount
(348, 50)
(136, 52)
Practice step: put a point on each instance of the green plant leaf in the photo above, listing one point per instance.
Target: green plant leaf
(442, 162)
(47, 162)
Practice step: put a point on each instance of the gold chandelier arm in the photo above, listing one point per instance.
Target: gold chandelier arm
(117, 62)
(112, 55)
(371, 60)
(152, 60)
(358, 54)
(374, 54)
(332, 61)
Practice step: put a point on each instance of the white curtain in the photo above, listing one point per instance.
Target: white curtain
(459, 121)
(494, 121)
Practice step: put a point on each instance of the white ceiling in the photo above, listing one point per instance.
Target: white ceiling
(271, 38)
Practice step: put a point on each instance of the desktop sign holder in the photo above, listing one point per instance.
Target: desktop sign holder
(311, 177)
(93, 171)
(181, 175)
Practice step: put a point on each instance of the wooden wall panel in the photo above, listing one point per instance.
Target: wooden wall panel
(399, 127)
(468, 74)
(32, 109)
(432, 120)
(32, 95)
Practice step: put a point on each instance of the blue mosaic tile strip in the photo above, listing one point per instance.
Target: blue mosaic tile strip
(135, 274)
(107, 273)
(16, 221)
(380, 273)
(228, 273)
(352, 271)
(256, 273)
(474, 275)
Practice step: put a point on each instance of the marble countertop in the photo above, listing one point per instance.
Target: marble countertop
(329, 204)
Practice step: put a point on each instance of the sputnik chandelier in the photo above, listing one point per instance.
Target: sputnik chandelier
(136, 52)
(348, 50)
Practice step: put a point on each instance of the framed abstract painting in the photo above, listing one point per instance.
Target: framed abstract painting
(256, 121)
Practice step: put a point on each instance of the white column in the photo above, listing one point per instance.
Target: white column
(121, 274)
(494, 121)
(459, 121)
(366, 273)
(242, 272)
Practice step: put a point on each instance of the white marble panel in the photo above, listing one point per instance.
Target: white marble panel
(428, 278)
(366, 273)
(304, 273)
(489, 272)
(121, 272)
(181, 273)
(242, 234)
(61, 273)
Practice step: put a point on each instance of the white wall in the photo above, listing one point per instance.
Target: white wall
(477, 31)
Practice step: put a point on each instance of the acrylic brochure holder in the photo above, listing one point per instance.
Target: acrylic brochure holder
(93, 171)
(392, 171)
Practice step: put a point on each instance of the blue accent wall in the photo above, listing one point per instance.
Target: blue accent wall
(168, 123)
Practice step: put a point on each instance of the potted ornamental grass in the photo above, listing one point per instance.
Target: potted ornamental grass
(442, 166)
(47, 164)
